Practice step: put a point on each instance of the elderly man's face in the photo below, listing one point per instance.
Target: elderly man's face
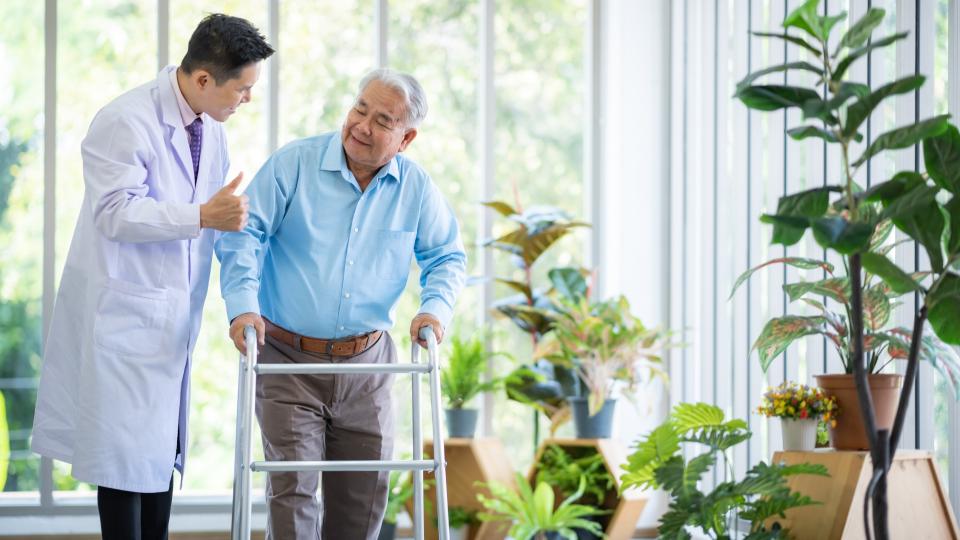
(374, 130)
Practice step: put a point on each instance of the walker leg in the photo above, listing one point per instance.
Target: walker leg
(417, 448)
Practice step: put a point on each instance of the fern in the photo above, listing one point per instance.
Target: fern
(662, 443)
(657, 463)
(462, 378)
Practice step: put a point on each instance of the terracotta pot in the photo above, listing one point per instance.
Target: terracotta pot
(849, 433)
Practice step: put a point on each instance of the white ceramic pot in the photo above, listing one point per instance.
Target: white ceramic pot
(799, 435)
(460, 533)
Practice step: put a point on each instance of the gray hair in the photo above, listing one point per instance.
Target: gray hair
(415, 100)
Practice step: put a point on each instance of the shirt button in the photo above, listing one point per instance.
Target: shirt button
(356, 229)
(346, 295)
(350, 263)
(341, 328)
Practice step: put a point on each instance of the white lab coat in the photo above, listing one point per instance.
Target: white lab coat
(114, 388)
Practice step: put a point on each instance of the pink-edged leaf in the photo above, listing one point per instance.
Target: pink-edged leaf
(837, 289)
(898, 346)
(796, 262)
(944, 359)
(780, 332)
(876, 308)
(880, 234)
(815, 304)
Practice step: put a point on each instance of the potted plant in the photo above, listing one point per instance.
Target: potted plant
(830, 300)
(460, 520)
(533, 513)
(923, 206)
(461, 379)
(659, 463)
(566, 472)
(606, 347)
(801, 409)
(538, 384)
(399, 491)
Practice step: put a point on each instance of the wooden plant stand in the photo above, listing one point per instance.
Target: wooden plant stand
(918, 506)
(469, 461)
(621, 523)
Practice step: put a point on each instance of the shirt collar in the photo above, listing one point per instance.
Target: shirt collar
(335, 160)
(186, 113)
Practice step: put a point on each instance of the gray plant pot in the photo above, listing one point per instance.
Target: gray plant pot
(582, 534)
(388, 531)
(461, 423)
(598, 426)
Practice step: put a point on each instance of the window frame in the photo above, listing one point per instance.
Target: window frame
(48, 503)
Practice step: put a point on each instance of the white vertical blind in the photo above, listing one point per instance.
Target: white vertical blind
(729, 165)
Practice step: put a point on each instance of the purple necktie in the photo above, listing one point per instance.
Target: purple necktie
(195, 129)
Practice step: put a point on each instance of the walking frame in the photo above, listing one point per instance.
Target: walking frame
(243, 466)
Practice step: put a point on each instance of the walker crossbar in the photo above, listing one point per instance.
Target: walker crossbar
(243, 467)
(356, 465)
(338, 369)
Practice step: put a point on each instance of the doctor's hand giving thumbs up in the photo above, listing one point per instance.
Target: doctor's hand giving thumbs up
(225, 211)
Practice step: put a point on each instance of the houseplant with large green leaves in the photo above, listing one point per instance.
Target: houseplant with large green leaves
(608, 348)
(535, 230)
(843, 218)
(659, 463)
(829, 300)
(533, 513)
(572, 469)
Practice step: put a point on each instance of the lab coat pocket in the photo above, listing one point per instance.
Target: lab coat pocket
(394, 250)
(132, 319)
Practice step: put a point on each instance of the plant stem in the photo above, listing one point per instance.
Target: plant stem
(848, 189)
(911, 374)
(859, 370)
(861, 381)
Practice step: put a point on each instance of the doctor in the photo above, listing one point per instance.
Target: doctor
(114, 388)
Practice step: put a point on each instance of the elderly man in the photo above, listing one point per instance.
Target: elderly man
(334, 222)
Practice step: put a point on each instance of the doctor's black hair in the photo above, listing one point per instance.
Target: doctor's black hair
(223, 45)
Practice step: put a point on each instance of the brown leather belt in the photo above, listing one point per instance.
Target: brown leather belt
(350, 346)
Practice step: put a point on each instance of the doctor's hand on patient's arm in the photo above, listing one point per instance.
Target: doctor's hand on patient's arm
(425, 319)
(241, 322)
(225, 211)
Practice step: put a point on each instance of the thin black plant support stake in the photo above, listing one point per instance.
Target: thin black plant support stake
(877, 490)
(880, 495)
(911, 374)
(863, 391)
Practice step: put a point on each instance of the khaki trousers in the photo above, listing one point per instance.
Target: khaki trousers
(326, 417)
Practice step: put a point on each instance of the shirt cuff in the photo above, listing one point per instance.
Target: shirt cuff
(187, 218)
(241, 302)
(439, 309)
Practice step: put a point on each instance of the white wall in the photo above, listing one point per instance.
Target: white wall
(632, 205)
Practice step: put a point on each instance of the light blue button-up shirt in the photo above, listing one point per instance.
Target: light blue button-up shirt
(336, 259)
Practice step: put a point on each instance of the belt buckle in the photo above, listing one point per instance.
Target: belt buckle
(298, 342)
(329, 348)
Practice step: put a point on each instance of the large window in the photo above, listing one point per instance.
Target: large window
(92, 67)
(539, 66)
(21, 225)
(324, 48)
